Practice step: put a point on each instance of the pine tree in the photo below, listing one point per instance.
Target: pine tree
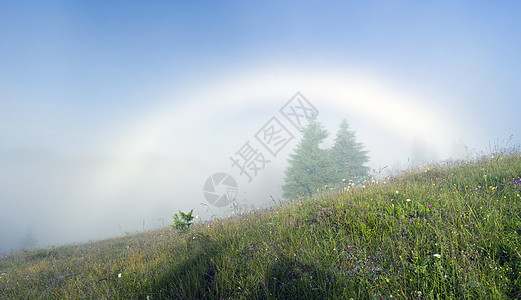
(348, 156)
(309, 166)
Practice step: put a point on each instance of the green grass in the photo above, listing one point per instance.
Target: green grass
(450, 231)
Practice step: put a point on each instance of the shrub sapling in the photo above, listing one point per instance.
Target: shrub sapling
(183, 223)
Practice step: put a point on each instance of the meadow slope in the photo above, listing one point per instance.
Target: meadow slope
(438, 232)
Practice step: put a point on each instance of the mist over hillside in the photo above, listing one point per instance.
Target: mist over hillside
(113, 118)
(62, 200)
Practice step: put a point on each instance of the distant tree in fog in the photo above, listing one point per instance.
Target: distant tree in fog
(309, 166)
(28, 241)
(348, 156)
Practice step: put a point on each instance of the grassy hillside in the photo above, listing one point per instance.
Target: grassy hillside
(447, 231)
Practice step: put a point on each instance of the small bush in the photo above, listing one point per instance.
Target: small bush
(183, 223)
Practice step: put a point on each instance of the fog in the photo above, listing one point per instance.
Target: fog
(115, 123)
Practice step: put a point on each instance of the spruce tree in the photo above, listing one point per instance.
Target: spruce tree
(348, 156)
(309, 166)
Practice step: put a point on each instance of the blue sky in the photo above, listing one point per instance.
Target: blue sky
(97, 82)
(83, 61)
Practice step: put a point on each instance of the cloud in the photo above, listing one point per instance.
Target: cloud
(240, 103)
(158, 160)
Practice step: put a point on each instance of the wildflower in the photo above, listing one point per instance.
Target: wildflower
(437, 255)
(408, 200)
(397, 192)
(516, 182)
(429, 206)
(119, 275)
(387, 279)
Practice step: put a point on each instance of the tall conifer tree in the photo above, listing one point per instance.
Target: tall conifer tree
(309, 166)
(348, 156)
